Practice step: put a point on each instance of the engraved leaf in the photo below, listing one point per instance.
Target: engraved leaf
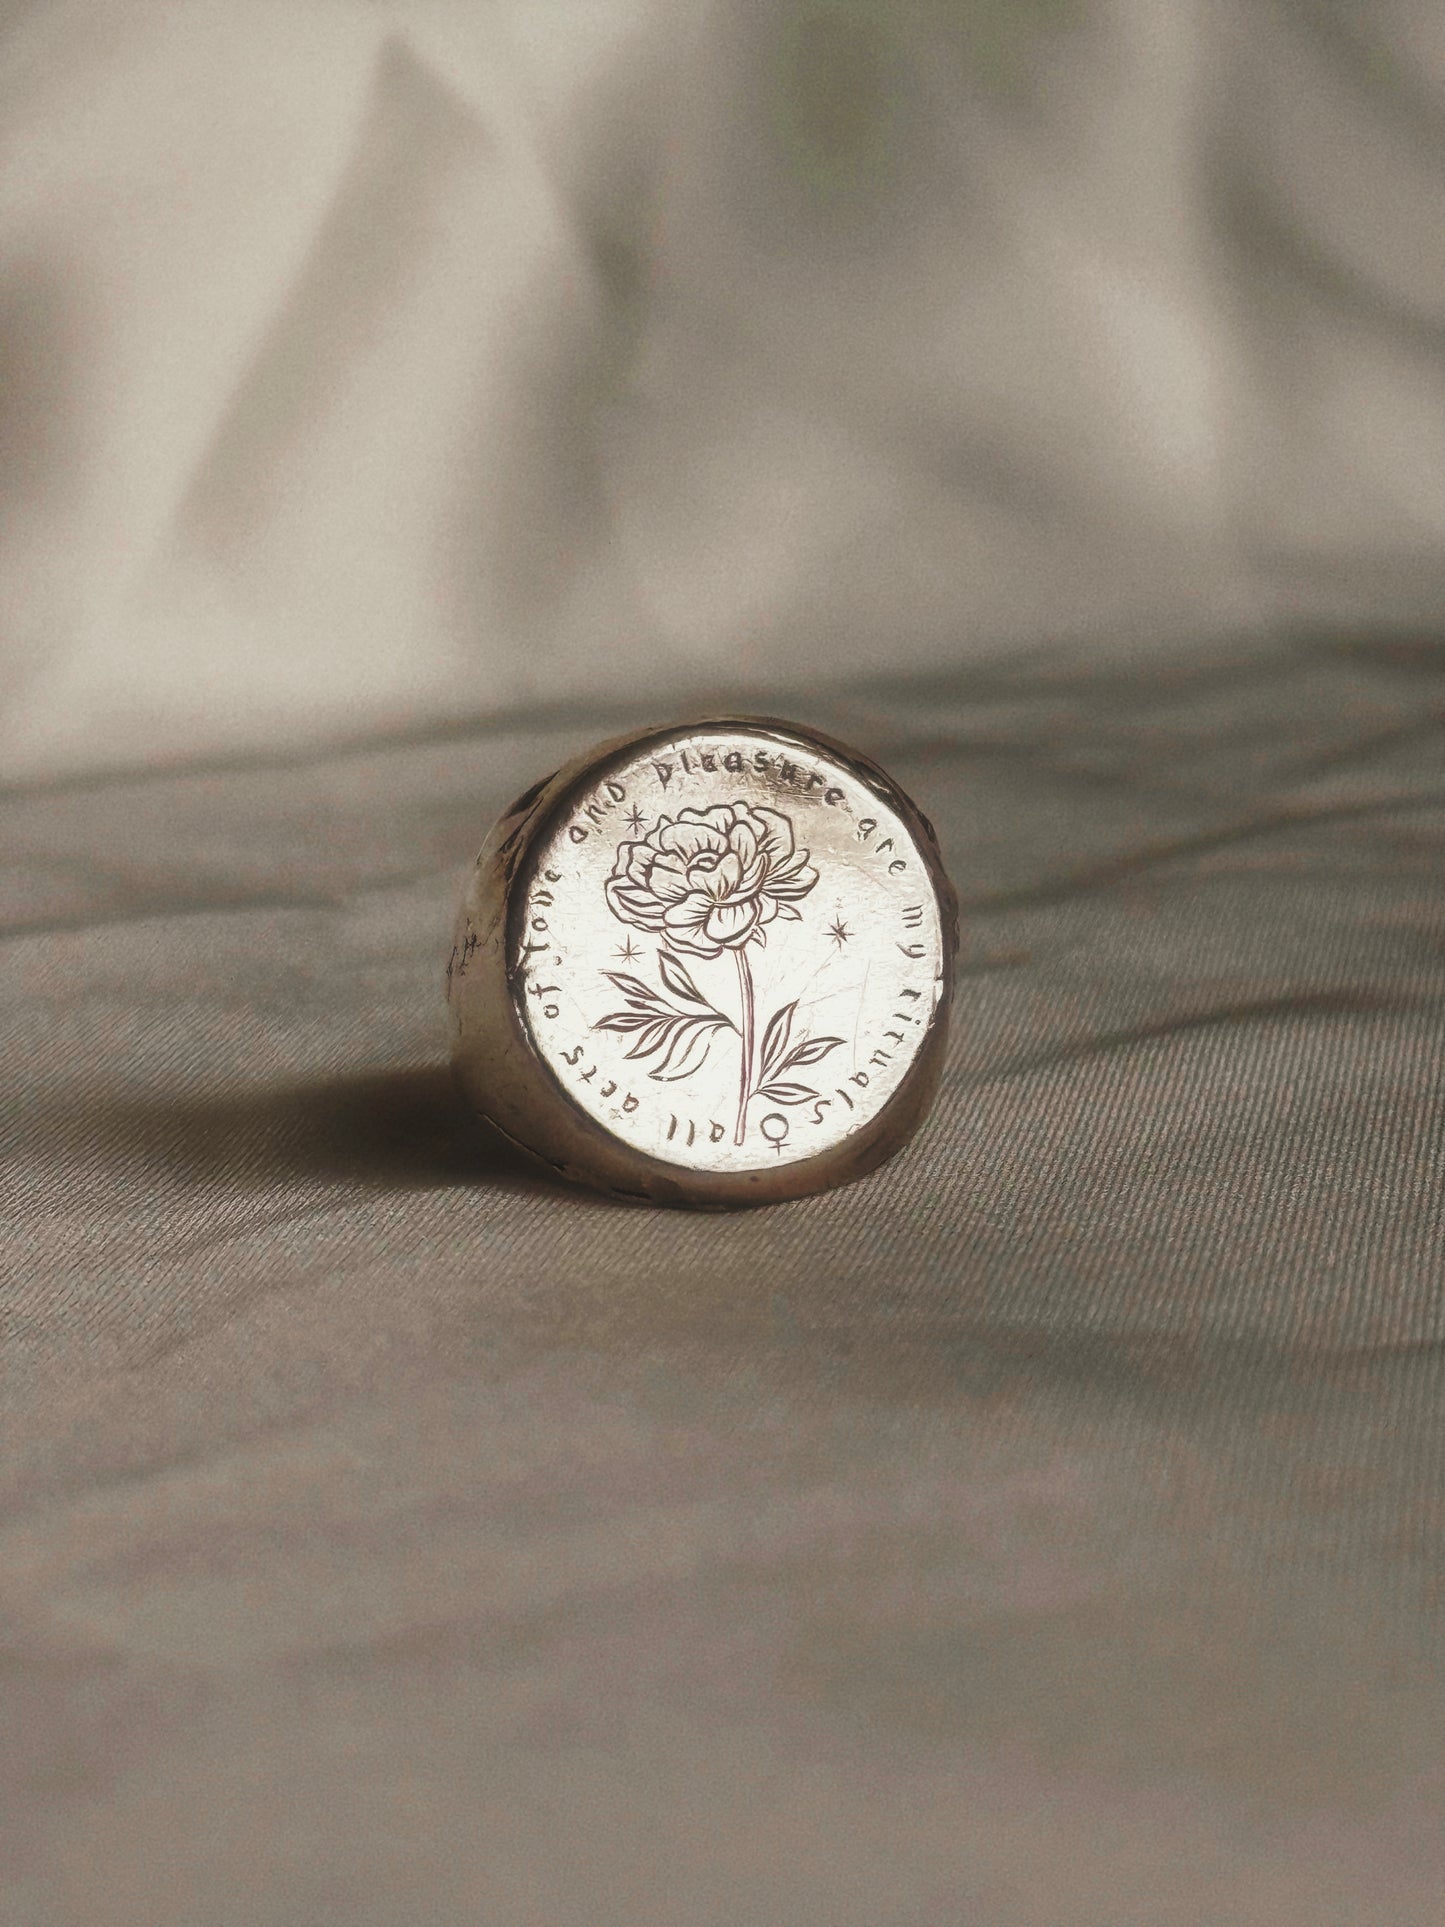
(637, 993)
(653, 1038)
(678, 981)
(775, 1037)
(626, 1020)
(787, 1093)
(687, 1051)
(809, 1052)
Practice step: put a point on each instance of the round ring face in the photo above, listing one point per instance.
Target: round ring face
(730, 949)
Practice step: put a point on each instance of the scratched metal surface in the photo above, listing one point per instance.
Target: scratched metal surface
(699, 924)
(1046, 1529)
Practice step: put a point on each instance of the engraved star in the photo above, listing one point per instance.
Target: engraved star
(628, 953)
(635, 820)
(839, 932)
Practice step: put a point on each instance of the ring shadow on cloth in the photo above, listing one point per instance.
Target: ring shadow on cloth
(404, 1129)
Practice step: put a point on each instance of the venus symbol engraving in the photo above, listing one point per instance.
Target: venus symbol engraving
(706, 882)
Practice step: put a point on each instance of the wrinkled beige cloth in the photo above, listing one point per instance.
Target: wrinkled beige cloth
(370, 362)
(1043, 1533)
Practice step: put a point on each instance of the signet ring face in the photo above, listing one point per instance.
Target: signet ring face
(707, 965)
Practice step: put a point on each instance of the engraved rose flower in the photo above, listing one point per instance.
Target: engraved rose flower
(711, 880)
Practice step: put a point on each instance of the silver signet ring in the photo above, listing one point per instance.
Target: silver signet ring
(707, 965)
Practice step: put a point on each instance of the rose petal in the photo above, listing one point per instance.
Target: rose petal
(720, 815)
(667, 879)
(688, 836)
(634, 906)
(685, 925)
(721, 882)
(791, 864)
(731, 923)
(640, 860)
(793, 886)
(743, 842)
(695, 942)
(775, 836)
(688, 911)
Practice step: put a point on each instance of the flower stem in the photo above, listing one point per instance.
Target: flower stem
(745, 1090)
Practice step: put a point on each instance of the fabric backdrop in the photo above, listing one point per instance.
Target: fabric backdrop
(1047, 396)
(1046, 1532)
(374, 361)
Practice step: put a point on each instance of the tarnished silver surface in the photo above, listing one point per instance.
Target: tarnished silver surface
(709, 964)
